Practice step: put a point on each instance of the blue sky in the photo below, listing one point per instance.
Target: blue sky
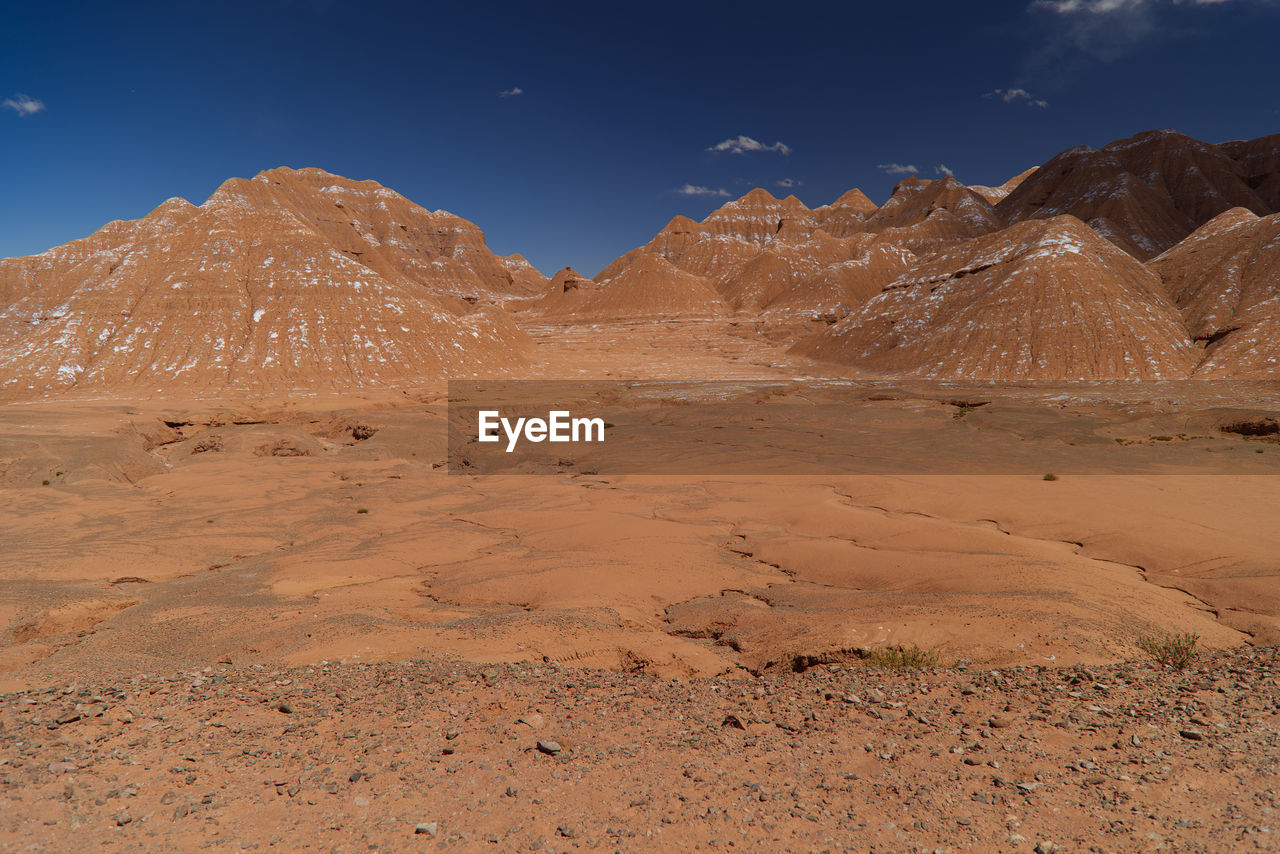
(609, 109)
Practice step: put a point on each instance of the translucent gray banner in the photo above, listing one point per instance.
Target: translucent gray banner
(845, 427)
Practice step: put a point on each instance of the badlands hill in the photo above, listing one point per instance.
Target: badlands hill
(845, 215)
(870, 262)
(1150, 191)
(780, 266)
(648, 286)
(1058, 304)
(294, 279)
(777, 255)
(1225, 278)
(995, 195)
(761, 252)
(923, 214)
(729, 236)
(299, 279)
(1042, 300)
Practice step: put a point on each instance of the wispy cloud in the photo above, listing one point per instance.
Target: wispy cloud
(23, 105)
(744, 144)
(1014, 96)
(511, 93)
(1105, 7)
(944, 170)
(1108, 29)
(898, 169)
(693, 190)
(788, 183)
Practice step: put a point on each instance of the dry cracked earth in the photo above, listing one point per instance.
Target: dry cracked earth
(241, 625)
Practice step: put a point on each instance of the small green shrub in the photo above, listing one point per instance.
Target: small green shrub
(1172, 651)
(1050, 476)
(363, 510)
(899, 657)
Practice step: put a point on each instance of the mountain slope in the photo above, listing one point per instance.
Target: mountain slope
(1148, 192)
(1043, 300)
(295, 279)
(922, 215)
(648, 286)
(1225, 278)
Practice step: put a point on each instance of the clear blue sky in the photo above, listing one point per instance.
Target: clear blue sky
(128, 104)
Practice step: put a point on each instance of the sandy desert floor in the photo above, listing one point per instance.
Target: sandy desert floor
(179, 569)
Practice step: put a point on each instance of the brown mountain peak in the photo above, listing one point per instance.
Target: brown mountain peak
(755, 197)
(681, 225)
(1223, 279)
(1049, 300)
(301, 280)
(854, 198)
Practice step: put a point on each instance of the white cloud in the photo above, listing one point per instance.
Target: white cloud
(511, 93)
(789, 183)
(1092, 7)
(1105, 7)
(1011, 96)
(691, 190)
(942, 169)
(23, 105)
(1108, 29)
(897, 169)
(743, 144)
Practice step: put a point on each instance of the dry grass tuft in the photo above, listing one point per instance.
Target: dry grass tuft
(900, 657)
(1173, 651)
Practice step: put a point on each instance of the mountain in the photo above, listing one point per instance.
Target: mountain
(729, 236)
(761, 252)
(1148, 192)
(995, 194)
(846, 214)
(294, 279)
(1042, 300)
(566, 280)
(526, 279)
(1259, 161)
(923, 214)
(787, 259)
(647, 286)
(1225, 279)
(871, 263)
(393, 236)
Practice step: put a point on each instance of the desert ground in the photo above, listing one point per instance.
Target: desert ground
(283, 620)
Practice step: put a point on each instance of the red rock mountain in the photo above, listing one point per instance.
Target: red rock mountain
(302, 279)
(568, 279)
(1259, 161)
(846, 214)
(776, 268)
(871, 262)
(761, 252)
(1225, 278)
(1043, 300)
(294, 279)
(648, 286)
(923, 214)
(995, 195)
(526, 279)
(729, 236)
(1148, 192)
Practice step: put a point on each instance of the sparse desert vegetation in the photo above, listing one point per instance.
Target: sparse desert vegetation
(1175, 651)
(901, 657)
